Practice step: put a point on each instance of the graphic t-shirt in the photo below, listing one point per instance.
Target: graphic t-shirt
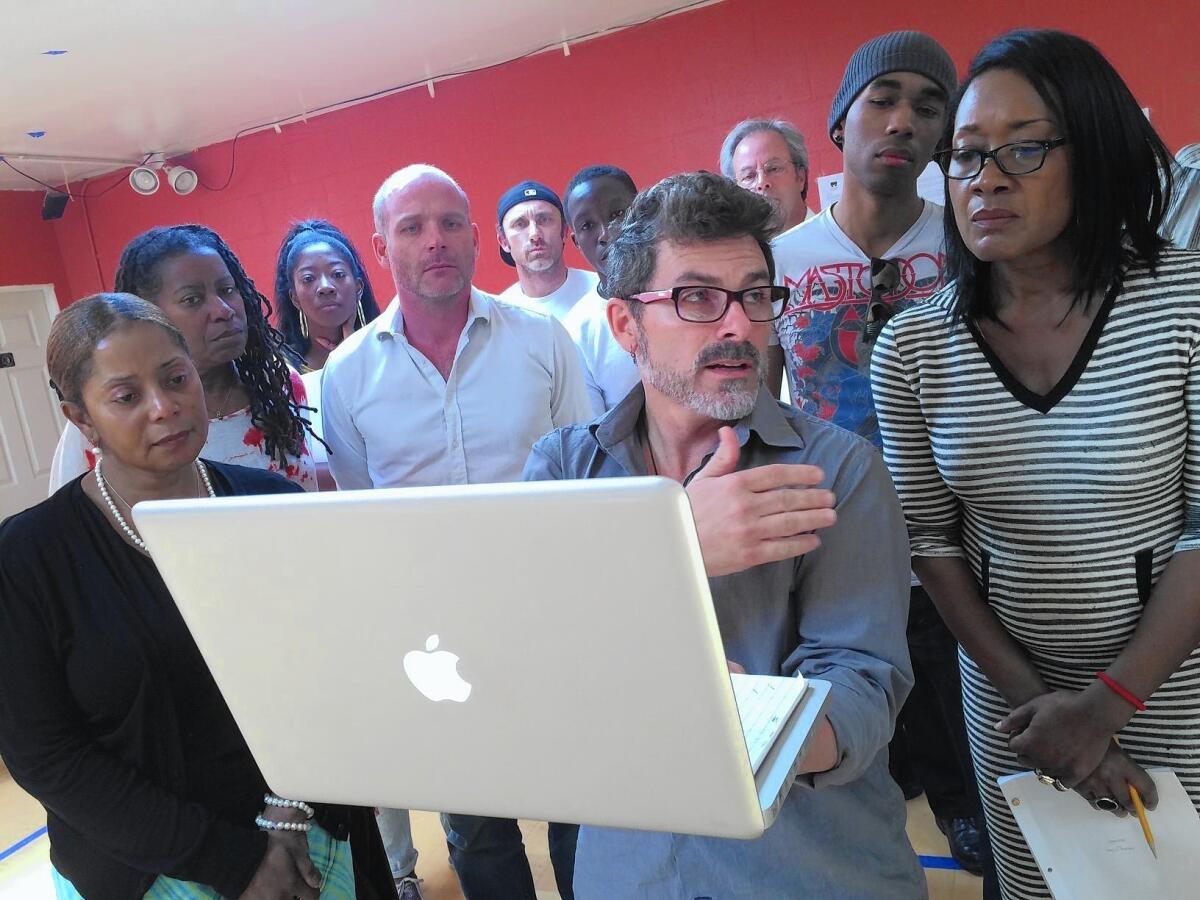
(830, 281)
(232, 439)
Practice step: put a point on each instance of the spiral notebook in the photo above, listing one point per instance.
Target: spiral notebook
(1089, 855)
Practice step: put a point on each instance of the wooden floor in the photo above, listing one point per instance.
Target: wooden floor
(24, 872)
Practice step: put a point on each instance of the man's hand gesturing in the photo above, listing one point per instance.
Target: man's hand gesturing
(756, 516)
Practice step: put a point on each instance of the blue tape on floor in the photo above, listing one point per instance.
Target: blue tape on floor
(23, 842)
(938, 862)
(928, 862)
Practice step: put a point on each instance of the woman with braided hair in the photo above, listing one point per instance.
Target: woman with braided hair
(254, 399)
(323, 296)
(322, 293)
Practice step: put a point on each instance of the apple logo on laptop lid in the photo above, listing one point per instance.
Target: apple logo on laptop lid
(434, 673)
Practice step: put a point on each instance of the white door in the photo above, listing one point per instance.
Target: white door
(30, 420)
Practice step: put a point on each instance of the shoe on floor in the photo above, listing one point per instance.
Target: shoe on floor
(408, 887)
(966, 842)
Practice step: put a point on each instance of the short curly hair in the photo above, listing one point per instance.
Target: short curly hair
(694, 206)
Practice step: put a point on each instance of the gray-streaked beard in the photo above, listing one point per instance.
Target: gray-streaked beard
(732, 402)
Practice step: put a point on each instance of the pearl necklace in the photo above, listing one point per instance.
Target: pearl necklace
(133, 536)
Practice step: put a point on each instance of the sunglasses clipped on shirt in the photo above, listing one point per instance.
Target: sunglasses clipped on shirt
(885, 279)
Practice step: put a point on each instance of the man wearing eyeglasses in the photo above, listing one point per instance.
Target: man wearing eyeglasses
(768, 156)
(690, 276)
(878, 249)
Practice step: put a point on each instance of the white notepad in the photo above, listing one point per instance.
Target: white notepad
(1089, 855)
(764, 702)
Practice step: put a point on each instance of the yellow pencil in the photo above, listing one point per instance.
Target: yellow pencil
(1141, 814)
(1141, 810)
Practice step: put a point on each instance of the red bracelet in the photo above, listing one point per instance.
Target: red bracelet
(1121, 691)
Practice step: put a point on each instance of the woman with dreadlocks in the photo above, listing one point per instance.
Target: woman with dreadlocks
(323, 295)
(254, 400)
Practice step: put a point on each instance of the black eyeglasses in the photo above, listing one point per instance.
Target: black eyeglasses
(703, 303)
(1017, 158)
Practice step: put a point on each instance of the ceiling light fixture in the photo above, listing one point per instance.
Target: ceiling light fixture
(143, 180)
(182, 179)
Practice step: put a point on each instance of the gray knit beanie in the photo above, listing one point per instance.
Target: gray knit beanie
(900, 51)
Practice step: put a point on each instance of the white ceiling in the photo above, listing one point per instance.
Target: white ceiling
(141, 76)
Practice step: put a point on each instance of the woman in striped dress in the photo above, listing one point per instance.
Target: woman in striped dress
(1041, 419)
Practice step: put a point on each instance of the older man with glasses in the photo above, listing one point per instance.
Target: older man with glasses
(876, 250)
(690, 277)
(768, 156)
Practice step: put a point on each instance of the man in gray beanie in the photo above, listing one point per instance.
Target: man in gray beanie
(876, 250)
(899, 51)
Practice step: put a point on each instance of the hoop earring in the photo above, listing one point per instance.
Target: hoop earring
(303, 324)
(362, 316)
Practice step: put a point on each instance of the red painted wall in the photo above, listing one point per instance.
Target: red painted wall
(654, 99)
(28, 246)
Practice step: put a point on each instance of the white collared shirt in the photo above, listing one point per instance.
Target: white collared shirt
(559, 302)
(609, 370)
(391, 420)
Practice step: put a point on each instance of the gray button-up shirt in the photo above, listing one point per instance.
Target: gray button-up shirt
(839, 614)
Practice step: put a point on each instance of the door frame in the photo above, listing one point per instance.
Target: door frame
(52, 308)
(47, 292)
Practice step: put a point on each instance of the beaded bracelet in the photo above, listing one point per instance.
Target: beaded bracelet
(273, 800)
(1121, 691)
(271, 825)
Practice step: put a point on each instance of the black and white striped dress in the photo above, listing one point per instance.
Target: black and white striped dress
(1067, 506)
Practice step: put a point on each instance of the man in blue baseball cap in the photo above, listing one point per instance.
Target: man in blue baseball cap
(532, 232)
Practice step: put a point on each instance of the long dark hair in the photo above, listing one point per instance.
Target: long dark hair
(261, 368)
(1119, 166)
(304, 234)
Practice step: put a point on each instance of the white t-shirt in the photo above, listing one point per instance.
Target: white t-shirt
(609, 371)
(233, 439)
(578, 284)
(830, 281)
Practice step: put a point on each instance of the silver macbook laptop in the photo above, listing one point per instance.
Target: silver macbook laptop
(539, 650)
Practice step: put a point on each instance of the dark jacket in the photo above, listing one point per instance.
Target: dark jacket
(109, 716)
